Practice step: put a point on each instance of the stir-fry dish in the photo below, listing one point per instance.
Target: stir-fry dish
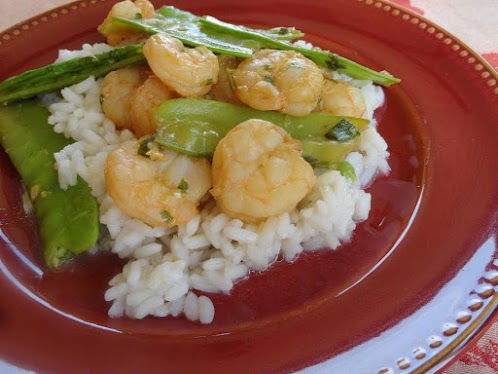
(196, 149)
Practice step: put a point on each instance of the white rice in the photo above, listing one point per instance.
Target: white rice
(167, 266)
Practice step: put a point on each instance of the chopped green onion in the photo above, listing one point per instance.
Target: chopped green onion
(183, 186)
(143, 147)
(343, 131)
(347, 170)
(166, 216)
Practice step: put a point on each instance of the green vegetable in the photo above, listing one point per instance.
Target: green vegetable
(68, 219)
(326, 153)
(188, 28)
(166, 216)
(226, 38)
(185, 27)
(183, 186)
(143, 147)
(347, 170)
(343, 131)
(324, 59)
(56, 76)
(279, 33)
(195, 126)
(220, 37)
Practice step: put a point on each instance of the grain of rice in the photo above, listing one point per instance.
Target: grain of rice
(161, 311)
(242, 236)
(176, 306)
(206, 310)
(195, 242)
(117, 309)
(72, 97)
(116, 292)
(147, 250)
(147, 306)
(191, 308)
(135, 298)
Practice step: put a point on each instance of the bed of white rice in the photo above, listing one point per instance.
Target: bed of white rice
(167, 267)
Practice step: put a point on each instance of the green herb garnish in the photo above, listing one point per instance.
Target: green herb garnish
(183, 186)
(343, 131)
(166, 216)
(143, 147)
(346, 170)
(269, 79)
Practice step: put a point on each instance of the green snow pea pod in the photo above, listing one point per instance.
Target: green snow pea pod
(68, 220)
(195, 126)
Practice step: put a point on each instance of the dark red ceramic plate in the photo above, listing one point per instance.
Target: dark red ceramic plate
(416, 283)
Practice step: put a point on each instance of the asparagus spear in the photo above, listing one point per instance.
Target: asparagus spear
(56, 76)
(68, 219)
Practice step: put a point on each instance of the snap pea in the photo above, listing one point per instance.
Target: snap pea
(67, 219)
(226, 38)
(188, 28)
(325, 59)
(220, 37)
(279, 33)
(195, 126)
(327, 153)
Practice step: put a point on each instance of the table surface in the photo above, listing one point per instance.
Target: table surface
(474, 22)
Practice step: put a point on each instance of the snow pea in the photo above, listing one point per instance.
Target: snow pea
(68, 220)
(226, 38)
(195, 126)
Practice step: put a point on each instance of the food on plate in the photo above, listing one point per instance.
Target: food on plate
(342, 99)
(161, 187)
(117, 34)
(189, 71)
(67, 219)
(195, 126)
(144, 100)
(258, 172)
(117, 91)
(204, 152)
(284, 81)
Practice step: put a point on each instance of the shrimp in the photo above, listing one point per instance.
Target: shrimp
(342, 99)
(163, 190)
(189, 71)
(116, 92)
(224, 90)
(118, 34)
(279, 80)
(258, 172)
(145, 98)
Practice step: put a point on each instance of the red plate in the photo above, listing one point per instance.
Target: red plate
(415, 284)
